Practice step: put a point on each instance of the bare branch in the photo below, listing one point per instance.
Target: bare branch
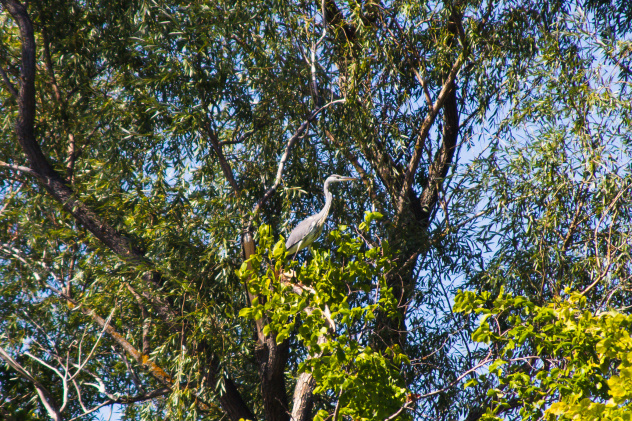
(317, 97)
(130, 370)
(63, 377)
(605, 270)
(442, 160)
(574, 223)
(146, 319)
(337, 408)
(79, 398)
(155, 370)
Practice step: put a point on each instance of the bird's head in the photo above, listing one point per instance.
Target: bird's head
(336, 178)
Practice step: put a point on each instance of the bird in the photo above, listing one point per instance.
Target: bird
(310, 228)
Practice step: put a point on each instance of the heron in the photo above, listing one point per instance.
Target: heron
(310, 228)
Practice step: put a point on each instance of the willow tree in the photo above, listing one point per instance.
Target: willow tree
(154, 154)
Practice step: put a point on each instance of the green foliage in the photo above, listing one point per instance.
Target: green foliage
(581, 363)
(328, 304)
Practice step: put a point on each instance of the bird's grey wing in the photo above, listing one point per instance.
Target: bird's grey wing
(299, 232)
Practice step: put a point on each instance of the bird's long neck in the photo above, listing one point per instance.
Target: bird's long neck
(328, 200)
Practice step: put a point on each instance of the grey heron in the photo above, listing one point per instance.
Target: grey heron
(310, 228)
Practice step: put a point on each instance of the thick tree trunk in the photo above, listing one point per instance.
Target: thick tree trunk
(272, 360)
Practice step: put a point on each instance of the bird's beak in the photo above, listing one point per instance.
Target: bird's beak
(349, 179)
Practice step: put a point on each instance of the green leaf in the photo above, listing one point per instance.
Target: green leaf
(279, 250)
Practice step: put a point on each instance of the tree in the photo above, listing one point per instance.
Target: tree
(153, 154)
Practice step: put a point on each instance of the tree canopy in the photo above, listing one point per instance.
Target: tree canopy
(156, 155)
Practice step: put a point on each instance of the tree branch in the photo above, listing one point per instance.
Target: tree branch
(94, 347)
(25, 170)
(223, 162)
(303, 397)
(39, 165)
(240, 139)
(413, 164)
(145, 317)
(63, 377)
(442, 160)
(424, 86)
(386, 168)
(142, 359)
(484, 361)
(230, 401)
(43, 393)
(54, 184)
